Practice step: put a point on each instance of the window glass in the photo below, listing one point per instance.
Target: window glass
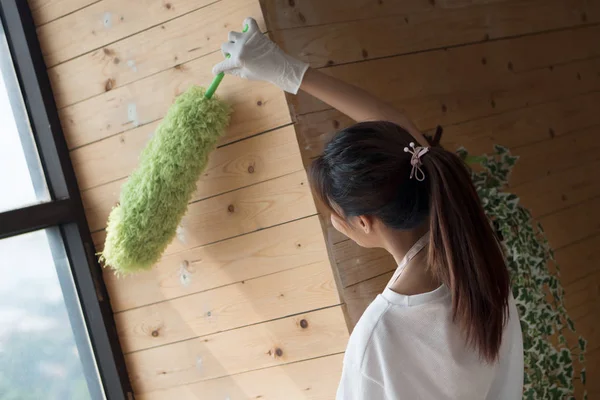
(44, 345)
(22, 180)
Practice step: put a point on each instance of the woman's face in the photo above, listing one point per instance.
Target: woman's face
(358, 229)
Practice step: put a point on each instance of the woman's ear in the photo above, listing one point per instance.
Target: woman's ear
(365, 223)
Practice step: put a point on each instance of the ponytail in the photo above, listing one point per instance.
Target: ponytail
(465, 254)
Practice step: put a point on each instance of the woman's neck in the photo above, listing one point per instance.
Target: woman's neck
(416, 277)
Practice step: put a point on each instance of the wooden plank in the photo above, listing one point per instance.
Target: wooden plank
(149, 52)
(315, 130)
(356, 264)
(244, 303)
(560, 190)
(579, 260)
(514, 128)
(246, 257)
(582, 298)
(257, 106)
(555, 155)
(572, 224)
(105, 22)
(359, 296)
(240, 164)
(388, 35)
(285, 14)
(44, 11)
(315, 379)
(464, 83)
(239, 350)
(242, 211)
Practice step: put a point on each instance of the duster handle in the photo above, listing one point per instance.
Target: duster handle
(217, 79)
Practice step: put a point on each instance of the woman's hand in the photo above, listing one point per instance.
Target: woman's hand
(254, 56)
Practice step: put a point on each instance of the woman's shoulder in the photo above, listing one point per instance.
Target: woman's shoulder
(364, 330)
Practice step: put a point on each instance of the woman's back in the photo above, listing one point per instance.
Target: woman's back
(407, 347)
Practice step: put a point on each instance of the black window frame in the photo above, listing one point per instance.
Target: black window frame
(65, 209)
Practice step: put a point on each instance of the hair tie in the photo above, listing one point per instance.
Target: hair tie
(415, 161)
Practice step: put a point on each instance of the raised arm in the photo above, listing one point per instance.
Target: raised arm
(253, 56)
(356, 103)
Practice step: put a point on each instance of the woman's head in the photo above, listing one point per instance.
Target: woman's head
(364, 177)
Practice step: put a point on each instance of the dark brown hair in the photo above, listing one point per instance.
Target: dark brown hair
(365, 171)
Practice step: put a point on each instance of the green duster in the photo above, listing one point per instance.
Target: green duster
(155, 197)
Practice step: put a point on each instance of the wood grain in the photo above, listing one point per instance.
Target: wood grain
(389, 35)
(244, 303)
(567, 151)
(105, 22)
(356, 264)
(579, 260)
(561, 189)
(464, 83)
(44, 11)
(257, 106)
(150, 51)
(240, 350)
(240, 164)
(315, 379)
(572, 224)
(242, 258)
(242, 211)
(285, 14)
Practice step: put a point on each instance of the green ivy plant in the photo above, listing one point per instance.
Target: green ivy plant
(549, 359)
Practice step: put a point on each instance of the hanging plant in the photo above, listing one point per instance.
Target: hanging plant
(549, 361)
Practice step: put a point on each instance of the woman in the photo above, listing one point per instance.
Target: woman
(446, 325)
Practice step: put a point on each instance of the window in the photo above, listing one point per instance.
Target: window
(57, 333)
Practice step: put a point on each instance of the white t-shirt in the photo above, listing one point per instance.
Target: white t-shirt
(408, 348)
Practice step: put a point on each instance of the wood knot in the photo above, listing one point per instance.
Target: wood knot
(303, 324)
(302, 18)
(155, 333)
(510, 66)
(110, 83)
(551, 133)
(292, 3)
(231, 208)
(250, 169)
(168, 6)
(116, 60)
(365, 53)
(330, 62)
(259, 103)
(493, 104)
(336, 123)
(278, 352)
(107, 51)
(444, 108)
(483, 61)
(486, 37)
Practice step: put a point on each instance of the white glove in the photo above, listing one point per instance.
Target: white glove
(254, 56)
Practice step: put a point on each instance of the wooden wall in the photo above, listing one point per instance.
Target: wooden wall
(245, 306)
(521, 73)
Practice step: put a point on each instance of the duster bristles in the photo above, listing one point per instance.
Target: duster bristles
(155, 197)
